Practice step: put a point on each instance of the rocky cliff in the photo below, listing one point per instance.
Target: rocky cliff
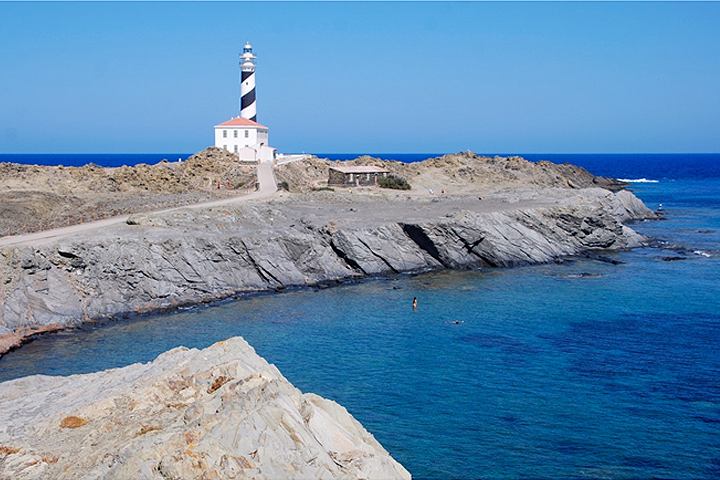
(158, 261)
(219, 413)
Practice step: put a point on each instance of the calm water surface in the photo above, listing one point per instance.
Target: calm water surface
(605, 368)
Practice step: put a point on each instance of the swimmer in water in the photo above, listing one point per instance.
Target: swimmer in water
(414, 303)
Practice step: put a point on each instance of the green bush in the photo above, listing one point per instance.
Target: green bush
(394, 182)
(285, 185)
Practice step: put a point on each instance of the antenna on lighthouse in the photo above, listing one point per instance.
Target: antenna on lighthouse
(247, 83)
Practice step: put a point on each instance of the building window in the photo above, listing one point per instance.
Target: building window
(247, 133)
(224, 133)
(235, 133)
(235, 148)
(224, 147)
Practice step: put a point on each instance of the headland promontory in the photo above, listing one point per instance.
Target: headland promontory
(482, 212)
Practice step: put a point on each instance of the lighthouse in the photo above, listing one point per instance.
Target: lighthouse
(248, 109)
(243, 135)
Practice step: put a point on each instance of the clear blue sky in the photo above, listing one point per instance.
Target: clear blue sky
(363, 77)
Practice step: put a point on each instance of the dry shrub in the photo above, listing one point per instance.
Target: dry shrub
(72, 422)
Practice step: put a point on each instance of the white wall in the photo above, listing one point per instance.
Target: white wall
(266, 154)
(262, 137)
(247, 154)
(254, 137)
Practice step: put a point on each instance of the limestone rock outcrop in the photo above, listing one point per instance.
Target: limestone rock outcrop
(218, 413)
(189, 256)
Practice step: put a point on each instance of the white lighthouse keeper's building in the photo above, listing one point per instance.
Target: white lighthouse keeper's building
(243, 135)
(246, 138)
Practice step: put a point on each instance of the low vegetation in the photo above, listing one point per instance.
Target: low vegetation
(395, 182)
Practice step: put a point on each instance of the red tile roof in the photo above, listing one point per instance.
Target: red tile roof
(240, 122)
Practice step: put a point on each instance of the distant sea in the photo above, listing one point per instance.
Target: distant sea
(100, 159)
(670, 165)
(604, 367)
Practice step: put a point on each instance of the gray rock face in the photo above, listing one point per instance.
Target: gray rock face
(218, 413)
(162, 261)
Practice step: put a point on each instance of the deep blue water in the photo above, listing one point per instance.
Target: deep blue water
(622, 165)
(578, 369)
(618, 165)
(100, 159)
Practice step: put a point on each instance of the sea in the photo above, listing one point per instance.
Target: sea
(586, 368)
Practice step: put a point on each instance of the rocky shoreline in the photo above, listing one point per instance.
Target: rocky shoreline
(223, 412)
(161, 261)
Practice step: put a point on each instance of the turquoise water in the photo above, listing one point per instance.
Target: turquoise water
(602, 367)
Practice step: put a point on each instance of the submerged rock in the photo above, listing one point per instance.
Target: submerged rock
(218, 413)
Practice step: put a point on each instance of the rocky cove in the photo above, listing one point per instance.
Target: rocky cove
(496, 213)
(160, 261)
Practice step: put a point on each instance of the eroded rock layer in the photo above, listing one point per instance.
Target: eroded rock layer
(218, 413)
(188, 256)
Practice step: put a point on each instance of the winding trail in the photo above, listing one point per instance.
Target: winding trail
(267, 187)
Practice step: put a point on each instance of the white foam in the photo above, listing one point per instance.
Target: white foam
(704, 254)
(638, 180)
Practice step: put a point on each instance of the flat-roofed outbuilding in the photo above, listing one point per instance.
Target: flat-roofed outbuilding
(351, 176)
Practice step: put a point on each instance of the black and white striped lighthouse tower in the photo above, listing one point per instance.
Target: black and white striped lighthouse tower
(247, 83)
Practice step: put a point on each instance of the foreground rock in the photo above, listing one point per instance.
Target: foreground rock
(218, 413)
(159, 261)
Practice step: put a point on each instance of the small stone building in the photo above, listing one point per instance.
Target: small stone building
(352, 176)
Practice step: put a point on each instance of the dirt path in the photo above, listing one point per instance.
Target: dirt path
(267, 187)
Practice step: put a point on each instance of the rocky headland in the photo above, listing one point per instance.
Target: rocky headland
(223, 412)
(218, 413)
(493, 212)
